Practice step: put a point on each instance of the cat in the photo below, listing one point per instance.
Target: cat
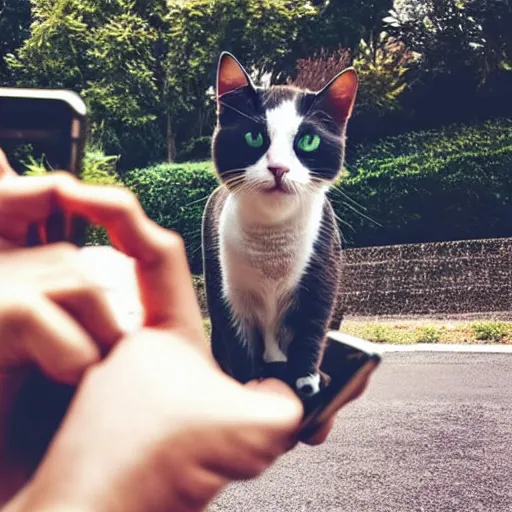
(271, 244)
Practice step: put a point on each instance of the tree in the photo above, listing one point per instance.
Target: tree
(342, 24)
(259, 32)
(14, 29)
(146, 68)
(465, 51)
(103, 49)
(381, 65)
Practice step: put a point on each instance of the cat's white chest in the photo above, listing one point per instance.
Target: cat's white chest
(261, 269)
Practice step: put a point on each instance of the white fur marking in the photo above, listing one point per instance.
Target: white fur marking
(312, 380)
(273, 353)
(262, 265)
(283, 123)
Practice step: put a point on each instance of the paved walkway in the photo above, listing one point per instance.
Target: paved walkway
(432, 434)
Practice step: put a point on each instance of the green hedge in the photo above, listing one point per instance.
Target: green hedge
(448, 184)
(175, 196)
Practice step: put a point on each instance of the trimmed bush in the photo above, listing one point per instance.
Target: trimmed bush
(174, 195)
(449, 184)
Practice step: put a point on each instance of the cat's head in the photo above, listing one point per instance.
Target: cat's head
(279, 143)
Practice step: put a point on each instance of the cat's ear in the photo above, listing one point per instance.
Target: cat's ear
(230, 75)
(337, 98)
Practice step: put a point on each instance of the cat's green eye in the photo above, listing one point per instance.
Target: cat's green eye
(254, 142)
(309, 143)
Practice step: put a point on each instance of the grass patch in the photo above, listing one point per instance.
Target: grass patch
(491, 331)
(428, 331)
(429, 335)
(404, 332)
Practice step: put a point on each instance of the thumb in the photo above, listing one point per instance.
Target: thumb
(271, 386)
(5, 169)
(274, 402)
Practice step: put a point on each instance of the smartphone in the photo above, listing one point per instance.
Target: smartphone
(348, 362)
(49, 127)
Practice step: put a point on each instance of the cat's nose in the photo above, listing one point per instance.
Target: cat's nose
(278, 171)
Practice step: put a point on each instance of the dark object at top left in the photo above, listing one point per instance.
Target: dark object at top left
(48, 127)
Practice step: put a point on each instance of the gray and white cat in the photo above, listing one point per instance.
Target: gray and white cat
(271, 245)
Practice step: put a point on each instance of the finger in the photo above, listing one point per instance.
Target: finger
(89, 307)
(278, 387)
(164, 277)
(13, 230)
(279, 408)
(34, 330)
(163, 274)
(6, 244)
(5, 169)
(56, 271)
(321, 433)
(81, 297)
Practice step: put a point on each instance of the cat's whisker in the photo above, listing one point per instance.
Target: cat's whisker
(252, 118)
(351, 207)
(337, 190)
(197, 201)
(235, 180)
(235, 170)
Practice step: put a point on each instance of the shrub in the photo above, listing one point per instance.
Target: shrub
(428, 335)
(448, 184)
(174, 196)
(489, 331)
(195, 150)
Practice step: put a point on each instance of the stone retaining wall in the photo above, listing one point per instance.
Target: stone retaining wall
(445, 278)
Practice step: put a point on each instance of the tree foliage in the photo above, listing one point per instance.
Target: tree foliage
(464, 69)
(104, 50)
(147, 69)
(15, 21)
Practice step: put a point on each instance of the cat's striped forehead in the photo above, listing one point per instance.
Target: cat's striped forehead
(275, 96)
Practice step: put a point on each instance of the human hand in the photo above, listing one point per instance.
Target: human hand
(5, 169)
(157, 426)
(51, 315)
(163, 384)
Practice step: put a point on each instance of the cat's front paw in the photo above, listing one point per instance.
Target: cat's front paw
(309, 385)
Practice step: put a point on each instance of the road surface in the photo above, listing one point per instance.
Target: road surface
(433, 433)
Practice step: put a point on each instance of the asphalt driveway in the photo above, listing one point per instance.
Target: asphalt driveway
(432, 434)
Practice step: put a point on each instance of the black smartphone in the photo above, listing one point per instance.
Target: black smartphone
(348, 362)
(48, 127)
